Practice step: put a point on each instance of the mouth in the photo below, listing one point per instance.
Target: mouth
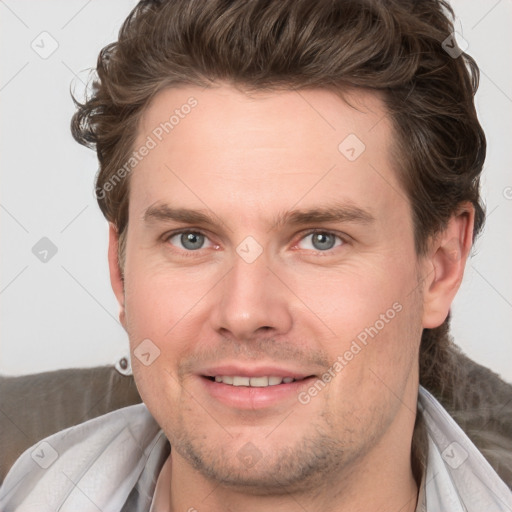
(255, 390)
(253, 382)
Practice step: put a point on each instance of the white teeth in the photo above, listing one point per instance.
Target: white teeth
(241, 381)
(255, 382)
(259, 382)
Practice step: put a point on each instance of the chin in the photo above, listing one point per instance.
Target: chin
(267, 466)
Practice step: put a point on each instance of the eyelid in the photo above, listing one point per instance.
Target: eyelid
(303, 234)
(343, 237)
(167, 236)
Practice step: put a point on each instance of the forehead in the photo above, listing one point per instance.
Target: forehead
(302, 115)
(252, 151)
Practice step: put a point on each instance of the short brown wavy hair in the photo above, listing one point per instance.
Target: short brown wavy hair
(396, 47)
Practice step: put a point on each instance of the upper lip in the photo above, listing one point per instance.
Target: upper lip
(256, 371)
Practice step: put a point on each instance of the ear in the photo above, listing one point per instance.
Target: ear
(445, 265)
(116, 278)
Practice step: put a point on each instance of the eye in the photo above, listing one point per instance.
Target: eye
(189, 240)
(321, 241)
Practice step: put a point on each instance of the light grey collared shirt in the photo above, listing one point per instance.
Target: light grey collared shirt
(111, 463)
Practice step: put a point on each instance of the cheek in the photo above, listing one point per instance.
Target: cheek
(157, 299)
(163, 307)
(354, 297)
(374, 371)
(374, 319)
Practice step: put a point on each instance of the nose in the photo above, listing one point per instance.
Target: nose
(252, 300)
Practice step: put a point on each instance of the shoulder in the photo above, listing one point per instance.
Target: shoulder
(458, 476)
(100, 460)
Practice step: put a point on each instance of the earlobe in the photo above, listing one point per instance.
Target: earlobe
(446, 263)
(116, 277)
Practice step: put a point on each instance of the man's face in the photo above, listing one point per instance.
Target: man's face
(254, 293)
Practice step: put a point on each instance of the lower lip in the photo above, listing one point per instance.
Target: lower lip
(249, 398)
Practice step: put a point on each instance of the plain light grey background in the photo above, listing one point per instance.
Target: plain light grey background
(61, 312)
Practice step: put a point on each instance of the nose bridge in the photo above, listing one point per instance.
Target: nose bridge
(252, 297)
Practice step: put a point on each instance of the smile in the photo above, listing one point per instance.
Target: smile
(254, 382)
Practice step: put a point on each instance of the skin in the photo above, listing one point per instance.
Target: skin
(299, 304)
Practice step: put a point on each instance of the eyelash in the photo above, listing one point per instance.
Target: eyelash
(187, 253)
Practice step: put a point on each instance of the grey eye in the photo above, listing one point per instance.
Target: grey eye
(321, 241)
(189, 240)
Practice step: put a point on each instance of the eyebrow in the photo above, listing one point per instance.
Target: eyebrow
(330, 213)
